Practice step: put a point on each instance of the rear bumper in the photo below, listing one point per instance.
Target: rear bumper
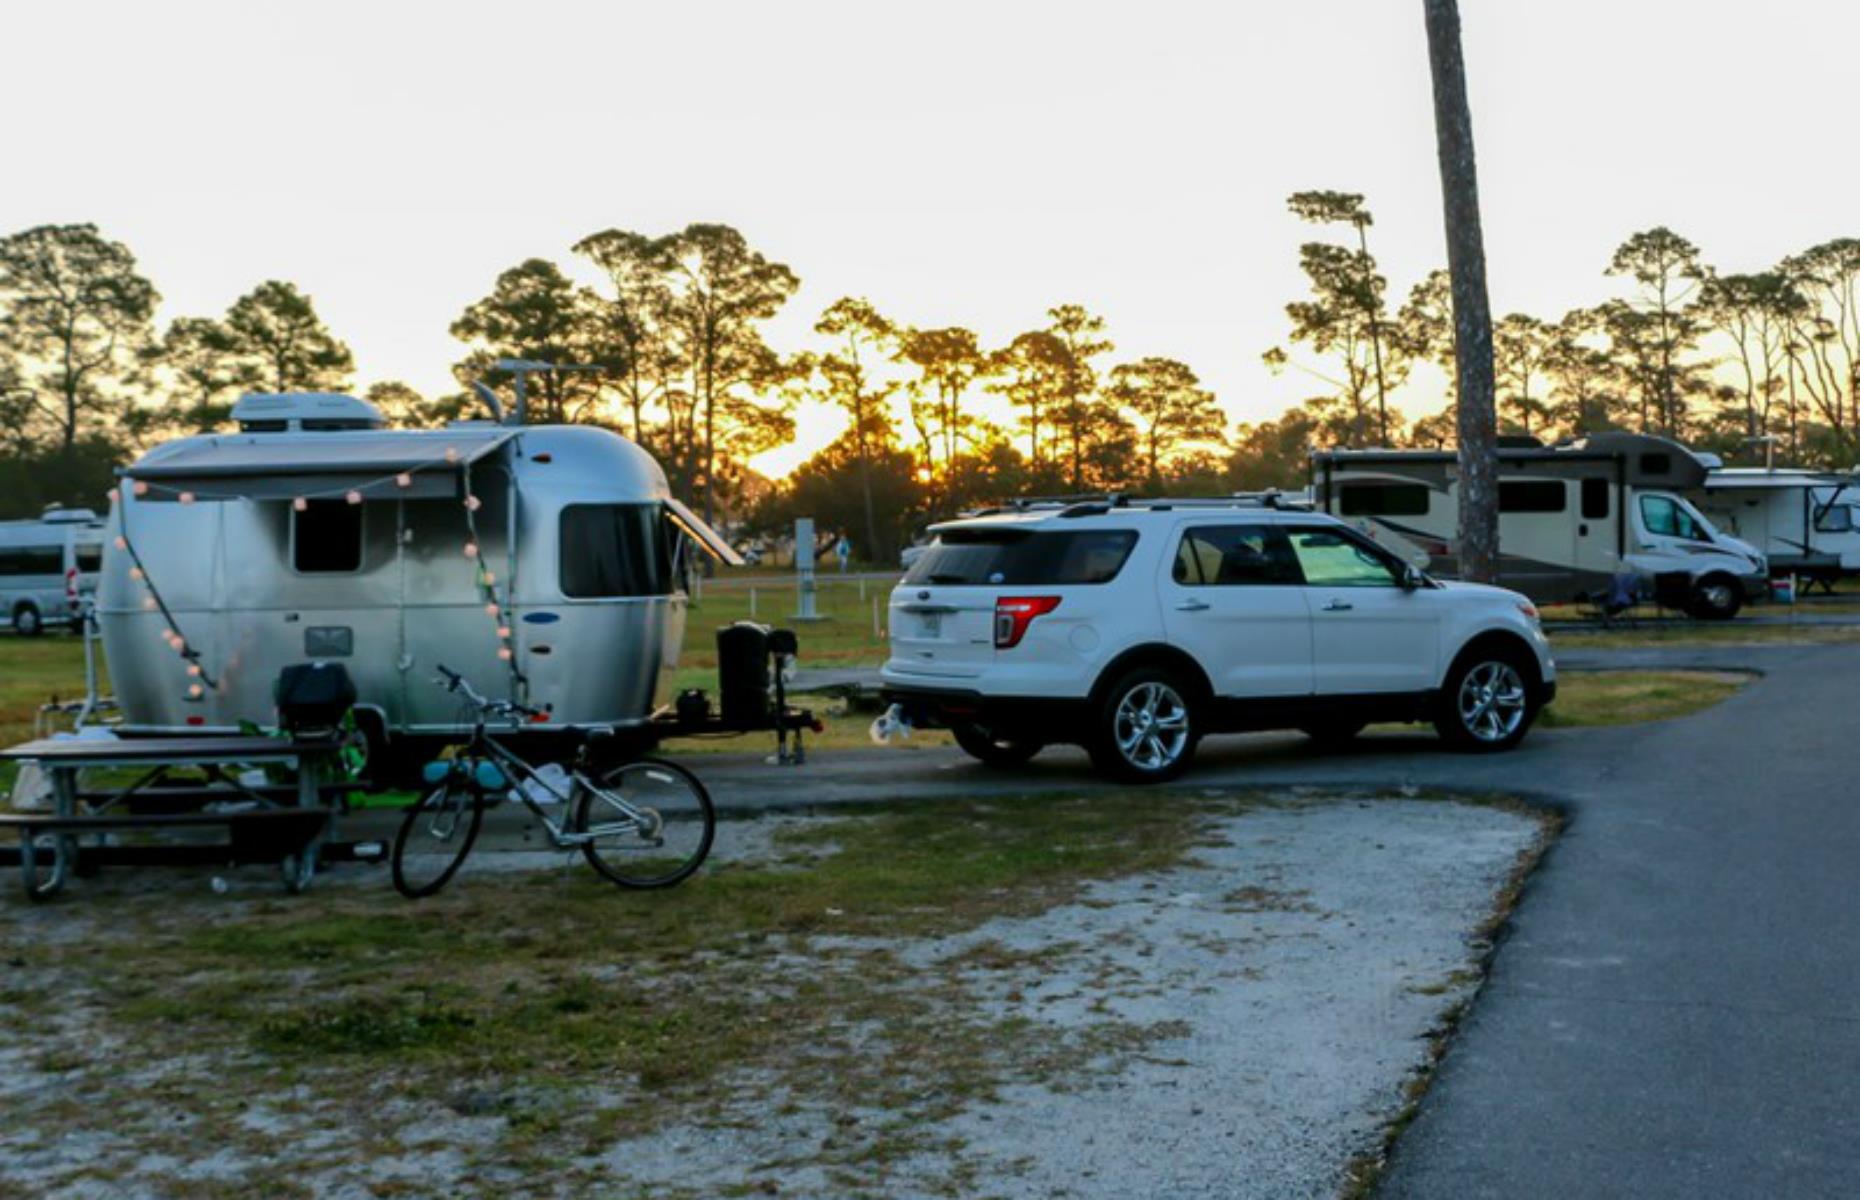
(1043, 717)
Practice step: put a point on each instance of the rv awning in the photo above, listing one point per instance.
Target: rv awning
(280, 466)
(709, 539)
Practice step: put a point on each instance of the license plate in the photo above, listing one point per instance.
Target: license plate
(933, 625)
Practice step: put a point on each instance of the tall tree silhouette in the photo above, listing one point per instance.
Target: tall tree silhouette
(75, 316)
(532, 312)
(1472, 313)
(849, 376)
(282, 344)
(1169, 407)
(1368, 286)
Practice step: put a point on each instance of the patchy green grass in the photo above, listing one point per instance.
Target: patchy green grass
(583, 1014)
(1704, 633)
(1590, 698)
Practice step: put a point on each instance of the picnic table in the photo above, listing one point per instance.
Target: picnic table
(286, 824)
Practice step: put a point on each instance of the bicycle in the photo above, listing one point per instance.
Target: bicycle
(623, 822)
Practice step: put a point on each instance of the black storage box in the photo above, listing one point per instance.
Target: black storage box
(313, 695)
(743, 674)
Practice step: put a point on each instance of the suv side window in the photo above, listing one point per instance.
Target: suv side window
(1235, 556)
(1330, 558)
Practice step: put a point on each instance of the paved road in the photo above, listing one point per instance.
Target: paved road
(1677, 1009)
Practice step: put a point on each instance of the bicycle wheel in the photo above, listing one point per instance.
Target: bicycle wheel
(648, 825)
(434, 838)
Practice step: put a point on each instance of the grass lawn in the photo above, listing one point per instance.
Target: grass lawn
(1698, 633)
(1590, 698)
(570, 1012)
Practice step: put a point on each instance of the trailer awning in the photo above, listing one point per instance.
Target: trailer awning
(707, 538)
(281, 466)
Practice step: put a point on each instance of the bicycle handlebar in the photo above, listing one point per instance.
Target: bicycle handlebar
(456, 682)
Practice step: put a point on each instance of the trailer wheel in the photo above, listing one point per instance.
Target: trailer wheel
(1715, 598)
(27, 622)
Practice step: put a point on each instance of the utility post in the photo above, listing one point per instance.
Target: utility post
(804, 568)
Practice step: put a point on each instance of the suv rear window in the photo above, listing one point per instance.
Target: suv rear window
(1023, 556)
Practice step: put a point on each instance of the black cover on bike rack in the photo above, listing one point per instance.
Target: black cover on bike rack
(313, 696)
(743, 674)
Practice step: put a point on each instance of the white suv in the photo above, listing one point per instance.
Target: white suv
(1135, 628)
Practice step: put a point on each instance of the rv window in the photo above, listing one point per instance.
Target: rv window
(1836, 518)
(1532, 496)
(32, 560)
(1383, 500)
(1655, 464)
(89, 559)
(1595, 499)
(1235, 556)
(610, 550)
(326, 537)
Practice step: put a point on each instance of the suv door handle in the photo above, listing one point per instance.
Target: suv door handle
(1192, 606)
(1339, 606)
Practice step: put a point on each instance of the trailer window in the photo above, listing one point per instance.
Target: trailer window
(326, 537)
(610, 550)
(1383, 500)
(1594, 499)
(1532, 496)
(1835, 518)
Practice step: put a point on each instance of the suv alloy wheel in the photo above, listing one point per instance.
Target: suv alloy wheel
(1487, 703)
(1146, 728)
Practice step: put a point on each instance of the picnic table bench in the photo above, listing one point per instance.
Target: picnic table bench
(282, 824)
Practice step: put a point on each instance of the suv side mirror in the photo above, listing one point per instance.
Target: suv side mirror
(1412, 579)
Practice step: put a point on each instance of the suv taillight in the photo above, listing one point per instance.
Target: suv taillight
(1014, 613)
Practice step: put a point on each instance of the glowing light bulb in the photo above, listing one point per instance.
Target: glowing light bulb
(300, 504)
(141, 488)
(196, 691)
(403, 480)
(186, 497)
(122, 543)
(490, 610)
(148, 602)
(473, 504)
(114, 495)
(193, 669)
(503, 631)
(503, 652)
(135, 572)
(354, 497)
(489, 579)
(167, 635)
(471, 549)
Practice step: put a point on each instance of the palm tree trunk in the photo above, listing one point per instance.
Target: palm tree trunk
(1472, 314)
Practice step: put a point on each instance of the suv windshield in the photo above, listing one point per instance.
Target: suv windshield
(1022, 556)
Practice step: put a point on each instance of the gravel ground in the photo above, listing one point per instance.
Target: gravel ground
(1304, 963)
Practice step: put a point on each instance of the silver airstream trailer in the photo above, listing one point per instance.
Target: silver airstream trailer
(546, 563)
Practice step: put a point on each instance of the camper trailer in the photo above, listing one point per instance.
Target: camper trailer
(1806, 523)
(546, 563)
(45, 565)
(1576, 520)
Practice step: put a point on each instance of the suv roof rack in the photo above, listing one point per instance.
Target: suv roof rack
(1097, 504)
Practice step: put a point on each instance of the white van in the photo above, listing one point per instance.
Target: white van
(1573, 518)
(46, 565)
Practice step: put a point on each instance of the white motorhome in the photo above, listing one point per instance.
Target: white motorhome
(1807, 523)
(1576, 520)
(45, 565)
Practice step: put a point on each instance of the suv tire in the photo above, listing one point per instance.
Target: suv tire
(27, 622)
(1145, 727)
(1488, 702)
(1715, 598)
(984, 746)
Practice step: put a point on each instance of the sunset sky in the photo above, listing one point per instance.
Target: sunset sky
(956, 164)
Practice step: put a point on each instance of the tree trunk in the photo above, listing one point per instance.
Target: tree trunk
(1472, 315)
